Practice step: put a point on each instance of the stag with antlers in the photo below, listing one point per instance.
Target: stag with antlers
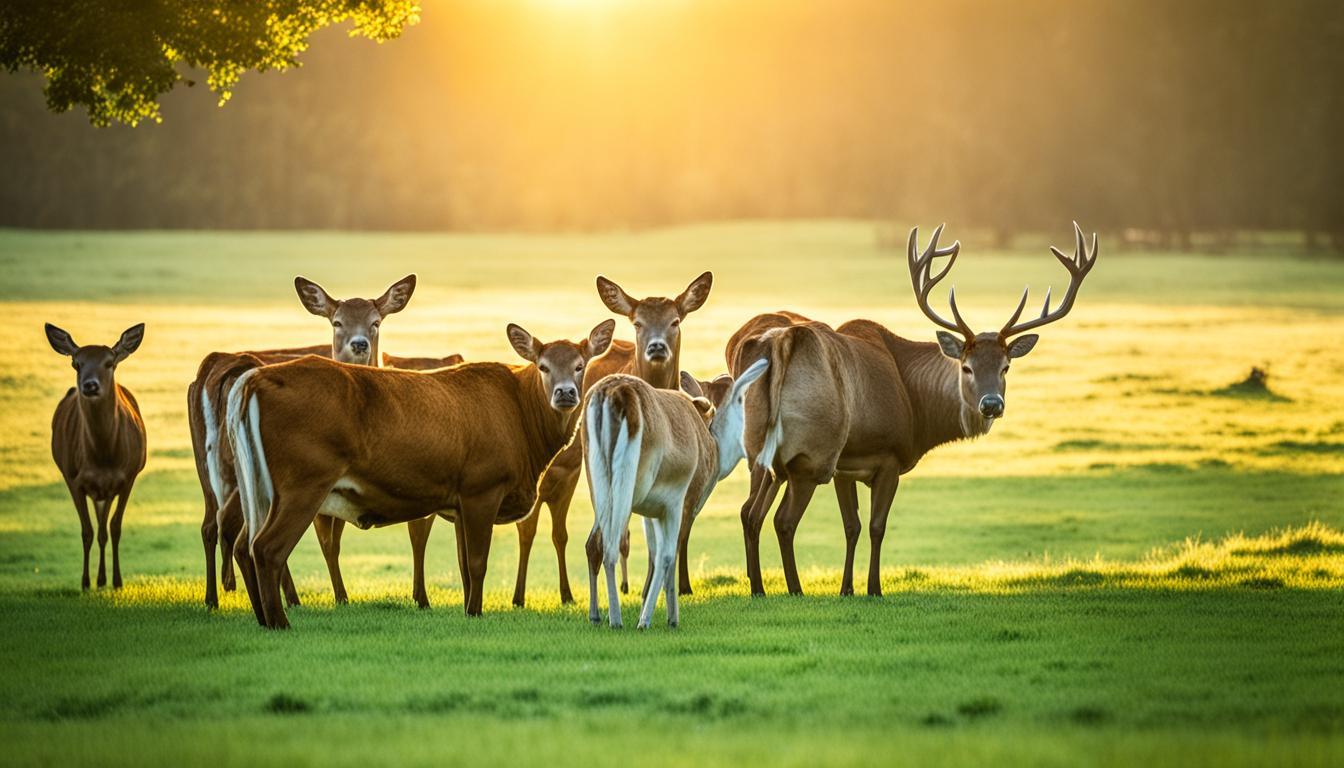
(859, 404)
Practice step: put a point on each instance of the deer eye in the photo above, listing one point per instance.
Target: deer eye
(676, 322)
(966, 369)
(638, 325)
(376, 324)
(578, 368)
(336, 324)
(1005, 369)
(543, 369)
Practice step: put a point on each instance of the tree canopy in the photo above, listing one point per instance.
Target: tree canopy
(116, 58)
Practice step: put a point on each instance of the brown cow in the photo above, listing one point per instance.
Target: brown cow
(380, 447)
(98, 441)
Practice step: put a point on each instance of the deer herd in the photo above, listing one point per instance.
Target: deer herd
(344, 433)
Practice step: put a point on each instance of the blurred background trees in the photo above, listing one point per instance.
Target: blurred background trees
(1157, 119)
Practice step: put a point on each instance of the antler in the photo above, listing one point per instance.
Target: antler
(921, 266)
(1078, 265)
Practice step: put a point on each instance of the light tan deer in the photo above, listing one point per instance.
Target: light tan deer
(861, 404)
(655, 357)
(98, 441)
(355, 327)
(658, 453)
(381, 447)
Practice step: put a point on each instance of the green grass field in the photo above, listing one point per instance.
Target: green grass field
(1139, 564)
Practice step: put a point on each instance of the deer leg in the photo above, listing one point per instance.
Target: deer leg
(786, 525)
(329, 530)
(560, 539)
(85, 530)
(419, 530)
(652, 559)
(847, 497)
(247, 568)
(460, 537)
(230, 523)
(751, 529)
(287, 584)
(884, 493)
(210, 540)
(625, 563)
(673, 545)
(294, 510)
(613, 596)
(100, 508)
(116, 537)
(593, 549)
(527, 533)
(683, 540)
(479, 523)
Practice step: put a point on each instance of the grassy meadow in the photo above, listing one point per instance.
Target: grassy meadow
(1142, 561)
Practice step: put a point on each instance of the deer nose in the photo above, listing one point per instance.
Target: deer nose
(566, 396)
(359, 346)
(991, 406)
(89, 388)
(657, 350)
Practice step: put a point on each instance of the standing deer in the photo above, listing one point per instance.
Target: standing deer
(655, 357)
(380, 447)
(861, 404)
(658, 453)
(355, 327)
(98, 440)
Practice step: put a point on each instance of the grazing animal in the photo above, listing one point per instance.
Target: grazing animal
(380, 447)
(655, 357)
(658, 453)
(98, 441)
(355, 333)
(860, 404)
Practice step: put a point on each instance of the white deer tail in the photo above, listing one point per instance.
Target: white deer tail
(615, 435)
(212, 437)
(254, 476)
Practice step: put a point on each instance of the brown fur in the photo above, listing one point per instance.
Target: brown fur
(652, 315)
(221, 525)
(98, 443)
(468, 441)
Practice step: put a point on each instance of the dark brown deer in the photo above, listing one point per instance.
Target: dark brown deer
(861, 404)
(355, 327)
(655, 357)
(381, 447)
(98, 441)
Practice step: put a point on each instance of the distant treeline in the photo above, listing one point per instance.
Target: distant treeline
(1172, 117)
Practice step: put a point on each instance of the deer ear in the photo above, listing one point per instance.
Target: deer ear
(527, 347)
(719, 389)
(952, 346)
(314, 298)
(616, 299)
(598, 339)
(695, 294)
(396, 297)
(1022, 345)
(690, 386)
(61, 341)
(129, 342)
(705, 407)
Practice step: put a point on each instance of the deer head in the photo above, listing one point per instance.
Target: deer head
(657, 320)
(721, 403)
(985, 357)
(95, 365)
(561, 363)
(354, 322)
